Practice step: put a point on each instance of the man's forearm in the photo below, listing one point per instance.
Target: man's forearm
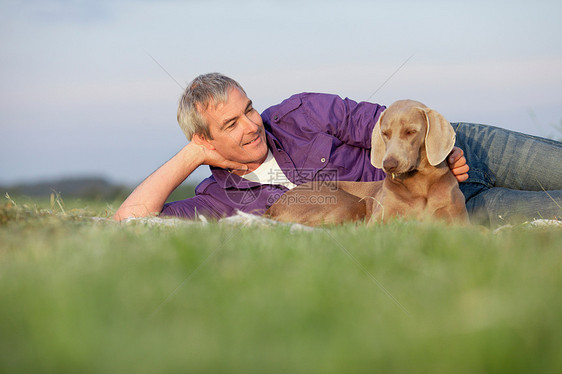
(149, 197)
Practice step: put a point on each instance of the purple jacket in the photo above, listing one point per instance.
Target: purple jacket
(312, 137)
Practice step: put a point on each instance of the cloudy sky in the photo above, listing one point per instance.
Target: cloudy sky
(86, 88)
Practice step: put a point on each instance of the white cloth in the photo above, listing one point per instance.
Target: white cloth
(269, 173)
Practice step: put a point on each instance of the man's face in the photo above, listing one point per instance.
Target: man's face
(237, 130)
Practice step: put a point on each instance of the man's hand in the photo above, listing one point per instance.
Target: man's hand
(457, 164)
(211, 157)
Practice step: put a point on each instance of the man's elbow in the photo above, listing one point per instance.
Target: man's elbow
(133, 211)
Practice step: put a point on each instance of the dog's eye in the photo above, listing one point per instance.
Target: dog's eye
(386, 134)
(411, 132)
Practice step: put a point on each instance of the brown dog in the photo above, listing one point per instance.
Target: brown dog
(410, 142)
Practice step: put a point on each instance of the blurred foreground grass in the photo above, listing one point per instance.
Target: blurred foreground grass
(84, 295)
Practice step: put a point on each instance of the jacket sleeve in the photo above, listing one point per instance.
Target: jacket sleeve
(193, 207)
(202, 204)
(345, 119)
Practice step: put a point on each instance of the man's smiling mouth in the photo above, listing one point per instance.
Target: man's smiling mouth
(253, 140)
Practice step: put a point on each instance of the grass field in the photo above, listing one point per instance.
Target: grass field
(80, 296)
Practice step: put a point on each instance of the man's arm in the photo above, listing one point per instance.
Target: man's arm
(149, 197)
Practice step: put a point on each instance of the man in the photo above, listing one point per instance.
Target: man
(255, 159)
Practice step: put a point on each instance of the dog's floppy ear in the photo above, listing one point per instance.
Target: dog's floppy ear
(439, 138)
(378, 149)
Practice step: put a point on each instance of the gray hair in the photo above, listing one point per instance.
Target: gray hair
(203, 91)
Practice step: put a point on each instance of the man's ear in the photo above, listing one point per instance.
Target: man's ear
(202, 140)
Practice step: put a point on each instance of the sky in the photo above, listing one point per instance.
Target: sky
(90, 88)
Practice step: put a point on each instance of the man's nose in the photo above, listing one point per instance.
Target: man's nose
(249, 125)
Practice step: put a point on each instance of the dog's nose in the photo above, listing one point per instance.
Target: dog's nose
(390, 164)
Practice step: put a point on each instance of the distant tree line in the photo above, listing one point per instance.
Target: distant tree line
(91, 188)
(86, 188)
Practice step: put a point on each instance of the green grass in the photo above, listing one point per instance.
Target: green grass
(78, 295)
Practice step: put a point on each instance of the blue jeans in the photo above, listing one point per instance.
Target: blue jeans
(513, 177)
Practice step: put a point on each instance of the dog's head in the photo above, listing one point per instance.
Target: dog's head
(406, 133)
